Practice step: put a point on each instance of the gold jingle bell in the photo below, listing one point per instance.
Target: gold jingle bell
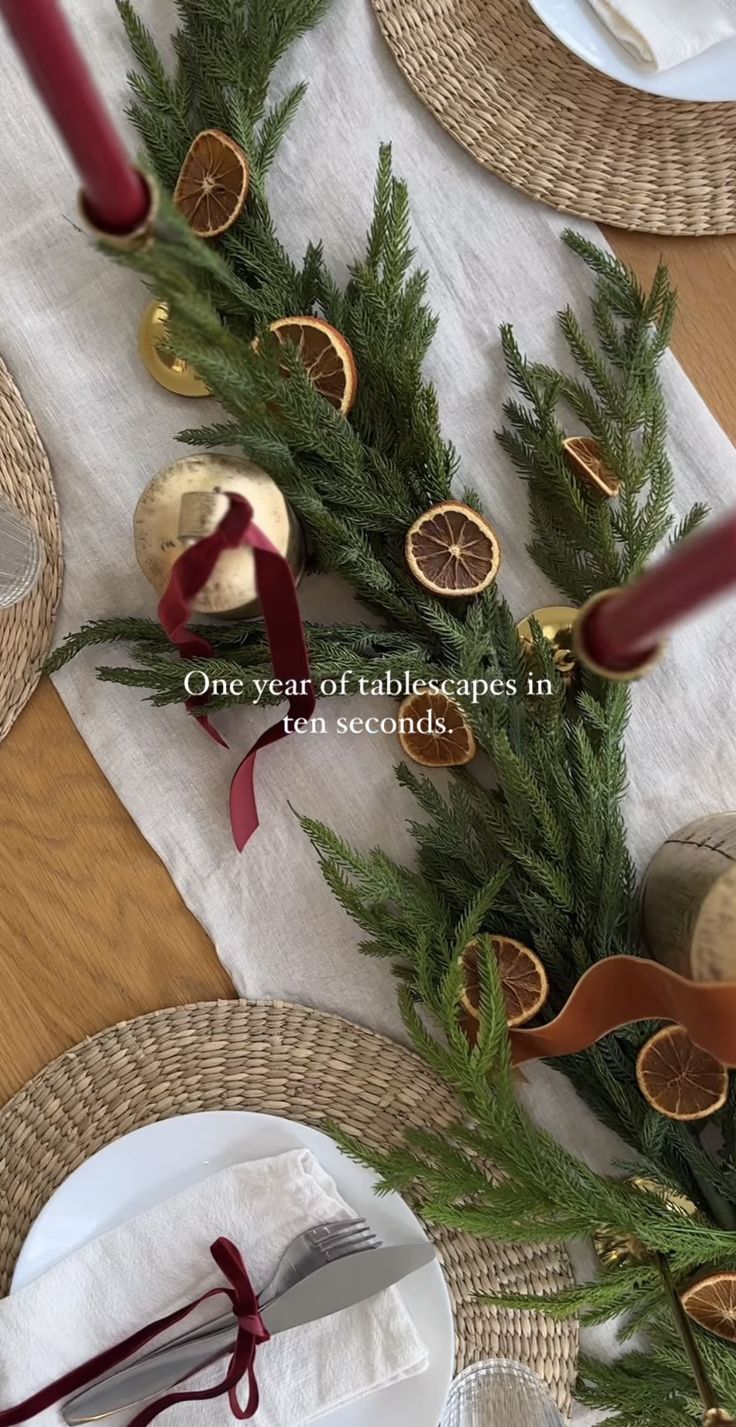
(556, 622)
(186, 501)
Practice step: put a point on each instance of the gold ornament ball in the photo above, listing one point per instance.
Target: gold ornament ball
(186, 501)
(615, 1249)
(676, 1203)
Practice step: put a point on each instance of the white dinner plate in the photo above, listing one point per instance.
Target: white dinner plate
(149, 1165)
(708, 77)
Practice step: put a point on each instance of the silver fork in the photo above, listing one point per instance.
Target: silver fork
(309, 1251)
(181, 1357)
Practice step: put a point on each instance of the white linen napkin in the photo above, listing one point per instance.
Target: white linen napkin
(663, 33)
(160, 1260)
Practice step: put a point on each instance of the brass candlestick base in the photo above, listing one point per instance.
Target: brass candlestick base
(556, 623)
(186, 501)
(171, 372)
(615, 1249)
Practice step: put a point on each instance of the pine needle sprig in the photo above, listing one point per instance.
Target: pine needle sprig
(581, 545)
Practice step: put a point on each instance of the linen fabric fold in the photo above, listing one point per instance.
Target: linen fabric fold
(161, 1260)
(663, 33)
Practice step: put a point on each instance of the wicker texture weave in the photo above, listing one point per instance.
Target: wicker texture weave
(25, 480)
(280, 1060)
(527, 108)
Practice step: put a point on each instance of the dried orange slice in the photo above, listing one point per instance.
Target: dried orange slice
(422, 718)
(679, 1079)
(711, 1302)
(583, 456)
(523, 980)
(326, 356)
(452, 550)
(213, 184)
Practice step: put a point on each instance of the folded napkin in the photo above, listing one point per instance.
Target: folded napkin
(662, 33)
(160, 1260)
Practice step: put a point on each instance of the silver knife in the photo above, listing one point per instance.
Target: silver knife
(330, 1289)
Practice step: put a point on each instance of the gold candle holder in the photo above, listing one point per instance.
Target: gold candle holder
(582, 653)
(170, 371)
(713, 1414)
(556, 623)
(186, 501)
(141, 237)
(615, 1249)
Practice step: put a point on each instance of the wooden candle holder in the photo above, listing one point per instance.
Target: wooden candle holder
(689, 900)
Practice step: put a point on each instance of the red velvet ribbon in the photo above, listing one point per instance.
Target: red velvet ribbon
(251, 1331)
(284, 631)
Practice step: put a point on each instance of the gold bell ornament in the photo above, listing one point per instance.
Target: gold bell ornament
(186, 501)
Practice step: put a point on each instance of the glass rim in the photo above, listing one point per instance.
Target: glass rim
(503, 1370)
(22, 553)
(517, 1368)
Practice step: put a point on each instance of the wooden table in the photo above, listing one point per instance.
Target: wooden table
(92, 929)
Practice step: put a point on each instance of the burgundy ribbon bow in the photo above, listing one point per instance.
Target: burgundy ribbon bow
(251, 1331)
(284, 631)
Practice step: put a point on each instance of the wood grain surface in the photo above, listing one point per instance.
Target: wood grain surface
(92, 929)
(704, 273)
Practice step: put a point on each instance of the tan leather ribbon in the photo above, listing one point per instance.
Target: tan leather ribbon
(622, 989)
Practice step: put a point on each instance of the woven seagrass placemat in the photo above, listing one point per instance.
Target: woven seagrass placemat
(25, 480)
(280, 1060)
(530, 110)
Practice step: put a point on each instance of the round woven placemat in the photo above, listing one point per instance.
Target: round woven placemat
(25, 479)
(531, 111)
(280, 1060)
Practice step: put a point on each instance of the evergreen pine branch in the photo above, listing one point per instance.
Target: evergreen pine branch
(690, 523)
(144, 632)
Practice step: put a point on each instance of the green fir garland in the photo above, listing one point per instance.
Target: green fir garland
(542, 856)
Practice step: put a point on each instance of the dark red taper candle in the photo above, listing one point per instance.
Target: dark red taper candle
(115, 195)
(621, 630)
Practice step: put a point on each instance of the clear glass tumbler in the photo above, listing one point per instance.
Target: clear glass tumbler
(21, 555)
(499, 1393)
